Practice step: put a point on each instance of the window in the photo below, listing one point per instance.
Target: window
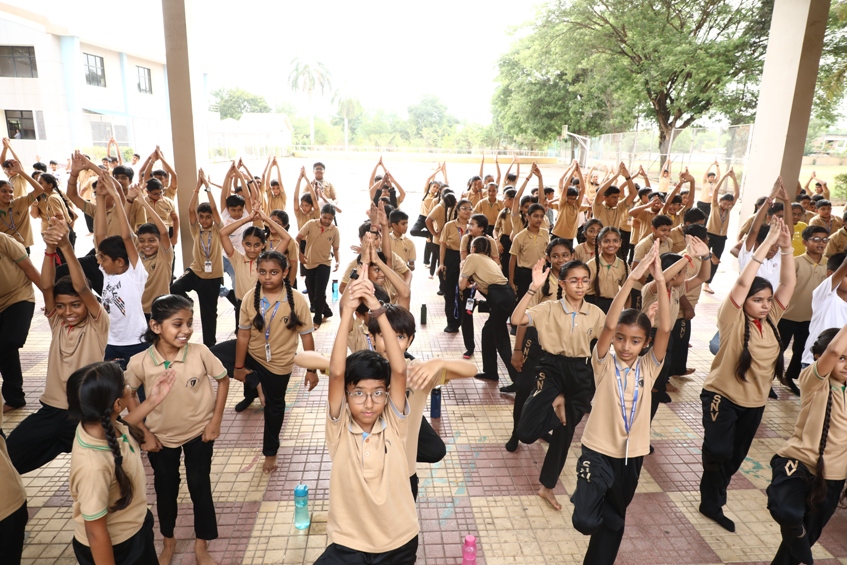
(95, 71)
(145, 85)
(19, 124)
(17, 62)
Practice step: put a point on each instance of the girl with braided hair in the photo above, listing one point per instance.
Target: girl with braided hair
(188, 422)
(613, 271)
(527, 351)
(736, 390)
(52, 203)
(107, 480)
(454, 299)
(809, 470)
(564, 381)
(274, 319)
(439, 215)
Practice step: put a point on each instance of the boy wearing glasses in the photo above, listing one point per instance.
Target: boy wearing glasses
(810, 269)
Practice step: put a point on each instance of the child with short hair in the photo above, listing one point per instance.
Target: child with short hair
(124, 280)
(80, 330)
(617, 435)
(489, 207)
(570, 203)
(187, 422)
(322, 240)
(155, 248)
(661, 229)
(400, 244)
(306, 206)
(205, 274)
(14, 211)
(825, 218)
(364, 489)
(718, 224)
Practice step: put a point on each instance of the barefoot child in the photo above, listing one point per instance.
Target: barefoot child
(187, 422)
(617, 434)
(366, 431)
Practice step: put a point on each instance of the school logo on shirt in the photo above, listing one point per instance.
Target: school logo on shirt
(715, 408)
(790, 467)
(192, 382)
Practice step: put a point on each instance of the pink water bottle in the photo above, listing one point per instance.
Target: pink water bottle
(469, 551)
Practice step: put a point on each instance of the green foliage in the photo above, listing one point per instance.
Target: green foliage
(309, 76)
(325, 132)
(839, 191)
(234, 102)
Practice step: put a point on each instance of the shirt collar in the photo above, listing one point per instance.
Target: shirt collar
(354, 428)
(180, 356)
(567, 307)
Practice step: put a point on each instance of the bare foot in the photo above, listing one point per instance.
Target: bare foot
(671, 388)
(559, 408)
(707, 288)
(261, 394)
(201, 551)
(547, 495)
(168, 552)
(270, 465)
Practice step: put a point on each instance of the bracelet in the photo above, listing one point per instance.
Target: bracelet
(705, 257)
(312, 371)
(50, 254)
(757, 260)
(627, 178)
(791, 252)
(377, 313)
(531, 292)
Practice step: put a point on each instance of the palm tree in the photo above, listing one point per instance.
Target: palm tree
(348, 107)
(308, 77)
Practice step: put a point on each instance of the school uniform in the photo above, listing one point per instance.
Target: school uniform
(611, 279)
(205, 276)
(503, 227)
(833, 224)
(159, 269)
(164, 207)
(423, 444)
(178, 423)
(465, 246)
(490, 210)
(732, 409)
(369, 481)
(17, 304)
(797, 317)
(647, 300)
(645, 225)
(320, 243)
(794, 464)
(677, 239)
(566, 336)
(303, 218)
(271, 370)
(528, 249)
(614, 443)
(272, 202)
(42, 436)
(641, 251)
(358, 338)
(495, 287)
(137, 215)
(404, 248)
(837, 243)
(454, 299)
(397, 265)
(94, 490)
(606, 214)
(420, 229)
(49, 206)
(13, 510)
(705, 201)
(829, 310)
(717, 227)
(584, 253)
(567, 222)
(677, 360)
(14, 220)
(19, 185)
(627, 245)
(246, 273)
(474, 197)
(113, 219)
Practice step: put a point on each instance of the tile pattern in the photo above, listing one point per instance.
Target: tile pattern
(478, 489)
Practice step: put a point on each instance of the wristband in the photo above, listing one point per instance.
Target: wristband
(50, 254)
(627, 178)
(705, 257)
(757, 260)
(377, 313)
(791, 252)
(312, 371)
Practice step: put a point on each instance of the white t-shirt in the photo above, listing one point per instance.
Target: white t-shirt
(828, 311)
(237, 236)
(122, 300)
(769, 269)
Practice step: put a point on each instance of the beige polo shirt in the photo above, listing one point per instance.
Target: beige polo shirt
(563, 331)
(283, 341)
(804, 443)
(113, 226)
(159, 269)
(809, 276)
(190, 406)
(718, 223)
(246, 272)
(612, 276)
(51, 207)
(437, 216)
(764, 347)
(484, 270)
(452, 235)
(529, 248)
(567, 221)
(71, 348)
(15, 286)
(369, 483)
(837, 243)
(303, 218)
(493, 252)
(605, 431)
(582, 252)
(14, 493)
(320, 241)
(608, 216)
(207, 247)
(489, 209)
(14, 220)
(94, 488)
(164, 207)
(834, 224)
(404, 247)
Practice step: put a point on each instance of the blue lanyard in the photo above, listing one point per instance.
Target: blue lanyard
(268, 324)
(621, 388)
(207, 249)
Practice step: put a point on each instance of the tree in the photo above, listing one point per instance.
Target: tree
(673, 61)
(308, 77)
(348, 108)
(428, 119)
(232, 103)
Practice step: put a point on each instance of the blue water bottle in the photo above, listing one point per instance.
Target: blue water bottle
(335, 290)
(435, 403)
(302, 520)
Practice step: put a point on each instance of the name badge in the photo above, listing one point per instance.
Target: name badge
(268, 352)
(208, 267)
(469, 304)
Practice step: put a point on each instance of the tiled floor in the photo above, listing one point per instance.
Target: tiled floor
(478, 488)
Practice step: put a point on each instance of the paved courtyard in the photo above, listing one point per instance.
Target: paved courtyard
(479, 488)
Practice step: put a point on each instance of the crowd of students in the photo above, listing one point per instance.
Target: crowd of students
(597, 281)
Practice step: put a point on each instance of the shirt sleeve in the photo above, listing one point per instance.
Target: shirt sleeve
(334, 429)
(302, 309)
(213, 365)
(92, 488)
(245, 320)
(134, 375)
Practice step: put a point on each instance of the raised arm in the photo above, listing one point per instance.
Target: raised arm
(173, 180)
(229, 229)
(539, 277)
(153, 218)
(373, 173)
(787, 272)
(120, 212)
(745, 279)
(758, 219)
(37, 189)
(663, 318)
(516, 205)
(397, 390)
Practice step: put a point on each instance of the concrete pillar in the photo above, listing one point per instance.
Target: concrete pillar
(71, 76)
(785, 97)
(185, 89)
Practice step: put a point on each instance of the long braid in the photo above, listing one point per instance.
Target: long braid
(293, 320)
(124, 481)
(745, 359)
(559, 292)
(258, 320)
(780, 360)
(71, 214)
(545, 290)
(597, 267)
(818, 490)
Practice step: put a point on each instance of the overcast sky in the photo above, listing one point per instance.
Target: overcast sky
(388, 53)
